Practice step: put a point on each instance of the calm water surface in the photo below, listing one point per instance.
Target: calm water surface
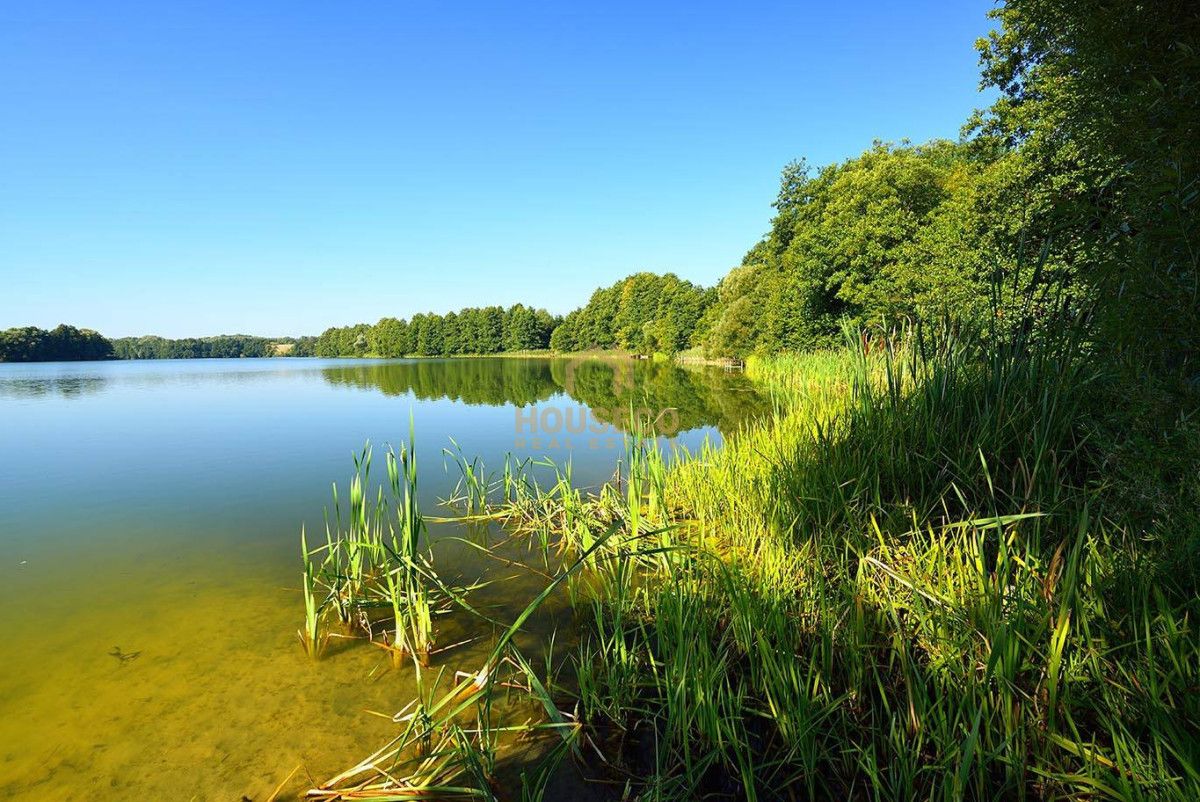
(155, 507)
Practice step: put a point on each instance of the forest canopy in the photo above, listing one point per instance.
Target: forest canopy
(488, 330)
(225, 346)
(642, 313)
(897, 232)
(62, 344)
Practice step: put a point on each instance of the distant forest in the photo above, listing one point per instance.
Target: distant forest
(489, 330)
(220, 347)
(61, 344)
(69, 344)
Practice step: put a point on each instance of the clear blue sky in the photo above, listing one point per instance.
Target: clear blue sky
(190, 168)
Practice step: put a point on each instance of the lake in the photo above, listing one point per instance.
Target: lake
(154, 508)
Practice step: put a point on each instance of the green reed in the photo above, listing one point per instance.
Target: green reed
(907, 584)
(436, 756)
(313, 636)
(376, 557)
(897, 588)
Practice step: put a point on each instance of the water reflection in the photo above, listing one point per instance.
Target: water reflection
(698, 396)
(483, 381)
(611, 388)
(155, 507)
(61, 386)
(31, 380)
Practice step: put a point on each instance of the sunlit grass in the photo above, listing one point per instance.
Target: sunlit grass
(906, 584)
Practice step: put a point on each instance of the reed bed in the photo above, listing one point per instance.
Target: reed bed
(910, 583)
(374, 579)
(905, 586)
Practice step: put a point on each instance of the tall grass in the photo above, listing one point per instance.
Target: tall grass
(908, 584)
(904, 586)
(438, 755)
(376, 558)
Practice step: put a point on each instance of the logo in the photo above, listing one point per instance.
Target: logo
(606, 390)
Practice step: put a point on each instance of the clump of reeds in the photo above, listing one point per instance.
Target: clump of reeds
(448, 746)
(313, 636)
(896, 590)
(376, 557)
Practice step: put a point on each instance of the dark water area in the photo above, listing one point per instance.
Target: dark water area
(155, 508)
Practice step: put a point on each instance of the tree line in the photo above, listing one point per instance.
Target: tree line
(225, 346)
(643, 313)
(1074, 195)
(487, 330)
(61, 344)
(67, 343)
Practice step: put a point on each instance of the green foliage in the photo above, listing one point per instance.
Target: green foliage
(907, 585)
(63, 343)
(891, 234)
(390, 337)
(344, 341)
(225, 346)
(642, 313)
(1088, 158)
(303, 346)
(489, 330)
(68, 343)
(1102, 102)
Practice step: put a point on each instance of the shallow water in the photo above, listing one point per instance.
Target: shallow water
(154, 508)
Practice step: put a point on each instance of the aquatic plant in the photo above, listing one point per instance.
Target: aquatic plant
(376, 557)
(412, 615)
(312, 636)
(896, 589)
(435, 755)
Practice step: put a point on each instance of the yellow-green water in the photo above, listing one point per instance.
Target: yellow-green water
(220, 702)
(155, 508)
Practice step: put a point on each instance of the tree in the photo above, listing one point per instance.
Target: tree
(490, 336)
(520, 329)
(890, 235)
(1102, 102)
(562, 339)
(429, 340)
(388, 338)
